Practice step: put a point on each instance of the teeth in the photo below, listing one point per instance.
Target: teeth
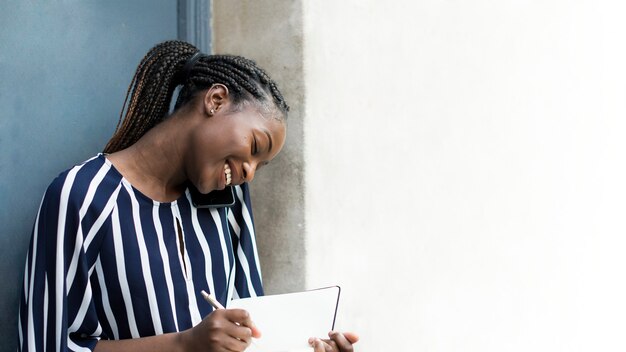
(228, 175)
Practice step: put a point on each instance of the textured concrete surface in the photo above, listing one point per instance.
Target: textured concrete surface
(464, 167)
(467, 181)
(270, 32)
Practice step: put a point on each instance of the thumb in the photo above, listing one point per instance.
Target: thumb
(351, 337)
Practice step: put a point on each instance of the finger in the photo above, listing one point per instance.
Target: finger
(317, 344)
(330, 346)
(341, 341)
(256, 333)
(230, 343)
(352, 337)
(236, 315)
(242, 317)
(327, 345)
(242, 333)
(234, 344)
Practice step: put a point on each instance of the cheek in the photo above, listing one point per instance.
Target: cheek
(201, 171)
(199, 155)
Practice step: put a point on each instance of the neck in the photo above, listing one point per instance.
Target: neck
(154, 164)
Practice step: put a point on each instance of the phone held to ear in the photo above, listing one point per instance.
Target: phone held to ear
(214, 199)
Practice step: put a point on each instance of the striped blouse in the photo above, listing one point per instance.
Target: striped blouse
(107, 262)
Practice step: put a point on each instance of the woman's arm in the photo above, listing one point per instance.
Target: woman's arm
(222, 330)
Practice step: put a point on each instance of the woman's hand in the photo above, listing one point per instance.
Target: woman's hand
(222, 330)
(340, 342)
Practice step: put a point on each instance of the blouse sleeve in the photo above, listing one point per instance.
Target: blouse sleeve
(56, 310)
(248, 280)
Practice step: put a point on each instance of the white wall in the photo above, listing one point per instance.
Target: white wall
(465, 178)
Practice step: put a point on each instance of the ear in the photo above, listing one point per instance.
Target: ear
(215, 99)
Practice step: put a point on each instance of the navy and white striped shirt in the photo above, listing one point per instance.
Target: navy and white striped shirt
(107, 262)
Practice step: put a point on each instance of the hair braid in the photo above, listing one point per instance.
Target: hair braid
(241, 77)
(149, 95)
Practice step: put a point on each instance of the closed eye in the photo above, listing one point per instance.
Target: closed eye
(255, 148)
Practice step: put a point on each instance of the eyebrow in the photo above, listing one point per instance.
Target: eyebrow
(269, 150)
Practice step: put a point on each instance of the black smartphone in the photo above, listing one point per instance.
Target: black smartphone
(215, 199)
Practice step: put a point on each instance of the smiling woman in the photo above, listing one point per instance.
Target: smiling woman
(120, 250)
(225, 102)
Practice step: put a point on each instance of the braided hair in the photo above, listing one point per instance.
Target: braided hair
(167, 66)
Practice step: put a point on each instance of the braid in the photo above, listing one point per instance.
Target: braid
(148, 96)
(244, 79)
(161, 70)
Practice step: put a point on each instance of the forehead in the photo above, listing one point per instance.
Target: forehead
(266, 109)
(257, 115)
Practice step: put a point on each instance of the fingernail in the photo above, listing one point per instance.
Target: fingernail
(311, 341)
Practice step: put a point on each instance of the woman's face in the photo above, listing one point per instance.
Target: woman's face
(229, 147)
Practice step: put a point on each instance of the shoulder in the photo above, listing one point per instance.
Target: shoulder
(75, 184)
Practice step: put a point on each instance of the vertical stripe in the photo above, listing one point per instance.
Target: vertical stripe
(233, 268)
(29, 300)
(145, 263)
(45, 309)
(27, 267)
(231, 284)
(208, 265)
(166, 260)
(241, 256)
(98, 332)
(59, 292)
(78, 247)
(247, 218)
(20, 330)
(196, 318)
(121, 272)
(20, 327)
(82, 311)
(180, 245)
(20, 322)
(106, 304)
(104, 215)
(218, 224)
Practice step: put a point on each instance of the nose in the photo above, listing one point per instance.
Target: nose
(249, 168)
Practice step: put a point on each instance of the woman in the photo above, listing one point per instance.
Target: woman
(121, 249)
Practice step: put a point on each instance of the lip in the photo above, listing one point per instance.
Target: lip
(234, 174)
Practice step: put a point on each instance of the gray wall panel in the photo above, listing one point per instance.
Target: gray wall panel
(64, 70)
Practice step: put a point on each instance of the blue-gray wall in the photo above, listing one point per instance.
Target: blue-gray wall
(64, 70)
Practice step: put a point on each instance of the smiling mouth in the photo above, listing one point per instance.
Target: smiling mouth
(227, 173)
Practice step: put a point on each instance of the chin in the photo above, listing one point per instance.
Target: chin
(202, 188)
(210, 188)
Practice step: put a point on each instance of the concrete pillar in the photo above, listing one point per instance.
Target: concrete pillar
(270, 32)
